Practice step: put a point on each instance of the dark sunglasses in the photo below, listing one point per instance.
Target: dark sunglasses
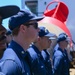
(35, 25)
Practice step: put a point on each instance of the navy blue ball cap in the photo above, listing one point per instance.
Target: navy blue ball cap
(63, 34)
(44, 32)
(22, 17)
(63, 37)
(7, 11)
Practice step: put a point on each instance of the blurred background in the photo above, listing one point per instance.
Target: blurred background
(39, 6)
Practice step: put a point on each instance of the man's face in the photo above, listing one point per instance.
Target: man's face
(45, 42)
(2, 37)
(64, 43)
(32, 31)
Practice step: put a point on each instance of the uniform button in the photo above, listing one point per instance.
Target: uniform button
(42, 66)
(22, 52)
(27, 73)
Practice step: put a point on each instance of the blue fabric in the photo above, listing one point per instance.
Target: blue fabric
(47, 62)
(14, 61)
(22, 17)
(60, 62)
(36, 61)
(63, 37)
(43, 31)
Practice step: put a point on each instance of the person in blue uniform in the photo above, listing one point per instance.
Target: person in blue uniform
(60, 57)
(56, 47)
(5, 12)
(24, 29)
(35, 58)
(46, 56)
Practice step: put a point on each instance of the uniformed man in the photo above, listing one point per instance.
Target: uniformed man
(5, 12)
(24, 29)
(35, 59)
(60, 57)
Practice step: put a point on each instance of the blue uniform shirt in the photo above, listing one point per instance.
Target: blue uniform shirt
(36, 61)
(14, 61)
(47, 62)
(60, 62)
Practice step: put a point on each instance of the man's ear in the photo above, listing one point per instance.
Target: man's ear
(22, 28)
(39, 38)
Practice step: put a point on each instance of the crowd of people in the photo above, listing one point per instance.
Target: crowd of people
(25, 47)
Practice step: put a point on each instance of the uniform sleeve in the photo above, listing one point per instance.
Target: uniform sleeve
(10, 67)
(57, 65)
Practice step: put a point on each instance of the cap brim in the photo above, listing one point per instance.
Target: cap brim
(37, 18)
(7, 11)
(52, 38)
(68, 39)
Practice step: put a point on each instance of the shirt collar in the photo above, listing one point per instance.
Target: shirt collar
(36, 49)
(18, 49)
(61, 49)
